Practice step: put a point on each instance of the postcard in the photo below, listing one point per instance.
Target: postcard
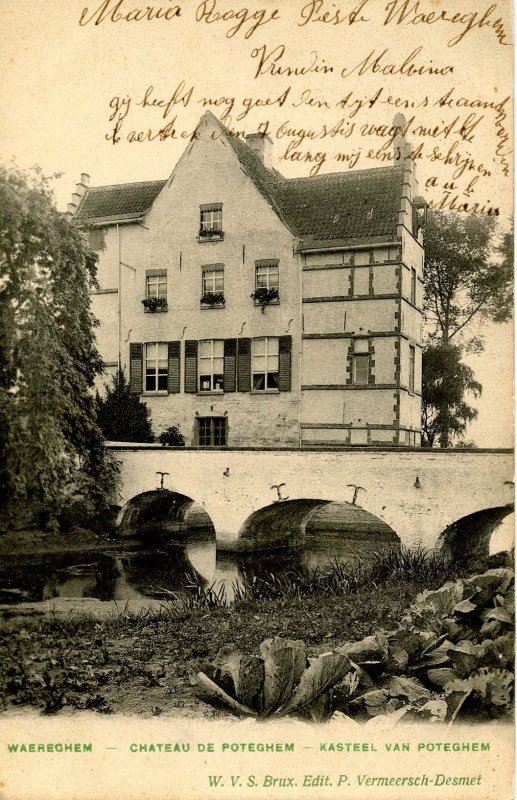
(257, 400)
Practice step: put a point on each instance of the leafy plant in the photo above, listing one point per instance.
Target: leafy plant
(171, 437)
(213, 299)
(210, 233)
(450, 658)
(155, 303)
(263, 296)
(280, 682)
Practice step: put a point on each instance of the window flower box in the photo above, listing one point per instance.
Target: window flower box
(264, 296)
(212, 299)
(153, 304)
(210, 234)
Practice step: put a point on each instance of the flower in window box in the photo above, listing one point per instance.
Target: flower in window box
(210, 233)
(213, 299)
(263, 296)
(155, 303)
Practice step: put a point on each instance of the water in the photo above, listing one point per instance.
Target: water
(144, 574)
(132, 572)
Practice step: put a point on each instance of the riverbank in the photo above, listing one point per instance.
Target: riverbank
(34, 542)
(140, 663)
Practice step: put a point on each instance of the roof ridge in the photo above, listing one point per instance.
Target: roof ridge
(130, 183)
(341, 174)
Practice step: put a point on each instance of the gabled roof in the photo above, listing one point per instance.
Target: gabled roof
(345, 207)
(124, 201)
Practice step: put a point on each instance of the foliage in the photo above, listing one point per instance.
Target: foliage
(138, 661)
(172, 437)
(210, 233)
(445, 382)
(280, 682)
(463, 282)
(263, 296)
(122, 416)
(213, 299)
(450, 658)
(155, 303)
(51, 449)
(461, 279)
(336, 579)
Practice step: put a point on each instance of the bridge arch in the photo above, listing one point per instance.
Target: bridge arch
(156, 512)
(284, 523)
(469, 537)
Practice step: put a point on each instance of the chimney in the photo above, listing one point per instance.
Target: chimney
(401, 146)
(83, 184)
(262, 145)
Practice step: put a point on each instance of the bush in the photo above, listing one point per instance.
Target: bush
(122, 416)
(171, 437)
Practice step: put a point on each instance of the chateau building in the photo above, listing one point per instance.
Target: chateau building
(250, 309)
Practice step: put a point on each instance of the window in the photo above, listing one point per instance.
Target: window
(211, 365)
(361, 368)
(155, 284)
(212, 431)
(98, 238)
(264, 363)
(413, 286)
(361, 362)
(266, 275)
(411, 368)
(211, 221)
(213, 280)
(212, 290)
(156, 367)
(155, 290)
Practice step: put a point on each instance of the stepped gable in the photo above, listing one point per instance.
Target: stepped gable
(349, 206)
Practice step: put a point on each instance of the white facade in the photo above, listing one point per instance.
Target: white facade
(334, 357)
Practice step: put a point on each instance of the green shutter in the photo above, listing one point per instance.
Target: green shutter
(191, 366)
(230, 363)
(174, 367)
(136, 367)
(244, 365)
(284, 363)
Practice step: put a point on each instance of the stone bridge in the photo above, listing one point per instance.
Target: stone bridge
(264, 498)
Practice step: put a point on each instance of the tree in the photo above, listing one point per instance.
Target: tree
(445, 381)
(462, 280)
(51, 448)
(122, 416)
(467, 278)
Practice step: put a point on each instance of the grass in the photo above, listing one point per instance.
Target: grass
(337, 578)
(139, 663)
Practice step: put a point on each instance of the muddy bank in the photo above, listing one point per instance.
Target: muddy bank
(38, 542)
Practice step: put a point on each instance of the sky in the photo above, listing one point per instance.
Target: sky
(61, 81)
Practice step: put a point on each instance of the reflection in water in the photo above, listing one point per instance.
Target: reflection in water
(503, 537)
(156, 572)
(146, 571)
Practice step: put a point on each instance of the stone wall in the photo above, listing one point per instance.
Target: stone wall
(233, 484)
